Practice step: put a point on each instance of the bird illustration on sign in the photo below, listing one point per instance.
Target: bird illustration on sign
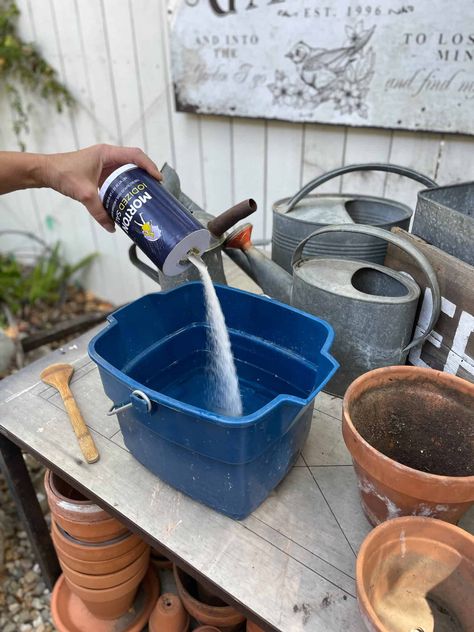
(341, 75)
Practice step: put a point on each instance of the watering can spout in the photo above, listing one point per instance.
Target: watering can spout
(273, 280)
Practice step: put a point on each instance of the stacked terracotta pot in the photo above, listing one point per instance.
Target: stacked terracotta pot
(103, 563)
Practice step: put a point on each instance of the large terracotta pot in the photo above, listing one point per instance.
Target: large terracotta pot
(106, 580)
(206, 628)
(93, 567)
(226, 618)
(408, 430)
(415, 574)
(169, 615)
(253, 627)
(109, 603)
(89, 551)
(96, 531)
(68, 503)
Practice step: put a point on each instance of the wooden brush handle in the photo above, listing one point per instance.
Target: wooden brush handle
(84, 437)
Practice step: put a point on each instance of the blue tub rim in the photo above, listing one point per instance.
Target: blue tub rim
(158, 398)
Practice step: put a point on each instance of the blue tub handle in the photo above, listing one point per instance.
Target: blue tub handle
(139, 399)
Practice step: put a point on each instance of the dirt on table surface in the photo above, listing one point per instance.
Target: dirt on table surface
(426, 427)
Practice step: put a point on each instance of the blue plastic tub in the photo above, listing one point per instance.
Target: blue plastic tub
(158, 345)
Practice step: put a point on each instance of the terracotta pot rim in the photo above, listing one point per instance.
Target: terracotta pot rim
(81, 543)
(215, 614)
(96, 594)
(70, 507)
(89, 551)
(134, 552)
(75, 576)
(438, 480)
(393, 525)
(93, 524)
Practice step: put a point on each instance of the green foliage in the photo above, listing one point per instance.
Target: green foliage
(23, 70)
(22, 286)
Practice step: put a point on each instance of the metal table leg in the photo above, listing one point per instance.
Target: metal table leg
(18, 479)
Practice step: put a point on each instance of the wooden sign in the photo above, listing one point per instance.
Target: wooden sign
(386, 63)
(450, 346)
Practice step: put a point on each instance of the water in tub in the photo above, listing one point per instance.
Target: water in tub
(224, 383)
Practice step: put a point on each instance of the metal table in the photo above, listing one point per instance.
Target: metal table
(289, 566)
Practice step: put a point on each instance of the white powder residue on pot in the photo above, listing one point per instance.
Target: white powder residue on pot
(225, 383)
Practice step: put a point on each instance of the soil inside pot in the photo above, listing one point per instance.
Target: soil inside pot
(425, 426)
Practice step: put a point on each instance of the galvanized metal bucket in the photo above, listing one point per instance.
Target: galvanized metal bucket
(297, 217)
(370, 307)
(444, 217)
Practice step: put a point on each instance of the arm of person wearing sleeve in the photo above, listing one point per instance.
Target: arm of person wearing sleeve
(77, 174)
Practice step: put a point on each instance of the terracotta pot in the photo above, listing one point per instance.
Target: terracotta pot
(109, 603)
(71, 615)
(102, 567)
(206, 628)
(106, 580)
(97, 531)
(408, 430)
(253, 627)
(169, 615)
(414, 574)
(89, 551)
(226, 618)
(68, 503)
(160, 562)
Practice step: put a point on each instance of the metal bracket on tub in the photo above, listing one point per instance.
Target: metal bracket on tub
(140, 396)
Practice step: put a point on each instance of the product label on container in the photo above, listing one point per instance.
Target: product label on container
(148, 214)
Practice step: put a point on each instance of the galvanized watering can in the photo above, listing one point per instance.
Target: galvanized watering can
(297, 217)
(370, 307)
(217, 226)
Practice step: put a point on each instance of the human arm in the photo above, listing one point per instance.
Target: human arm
(77, 174)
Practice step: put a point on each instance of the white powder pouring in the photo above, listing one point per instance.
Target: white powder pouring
(225, 383)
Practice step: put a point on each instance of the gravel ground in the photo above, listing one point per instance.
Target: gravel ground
(24, 598)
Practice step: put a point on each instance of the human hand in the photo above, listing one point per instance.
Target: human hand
(79, 174)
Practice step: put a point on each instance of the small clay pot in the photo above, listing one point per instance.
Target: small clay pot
(68, 503)
(252, 627)
(109, 603)
(407, 429)
(97, 531)
(106, 580)
(89, 551)
(414, 574)
(206, 628)
(226, 618)
(105, 566)
(169, 615)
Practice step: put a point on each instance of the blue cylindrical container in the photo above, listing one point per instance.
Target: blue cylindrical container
(155, 220)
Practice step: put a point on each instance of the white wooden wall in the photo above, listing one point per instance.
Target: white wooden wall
(113, 55)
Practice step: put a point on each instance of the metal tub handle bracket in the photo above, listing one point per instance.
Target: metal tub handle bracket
(401, 243)
(138, 399)
(370, 166)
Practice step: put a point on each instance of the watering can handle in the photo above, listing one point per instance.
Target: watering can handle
(401, 243)
(370, 166)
